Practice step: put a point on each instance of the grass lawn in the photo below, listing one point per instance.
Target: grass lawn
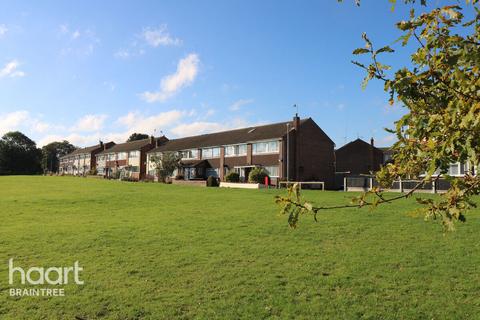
(152, 251)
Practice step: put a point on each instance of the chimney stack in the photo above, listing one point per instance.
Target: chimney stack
(372, 142)
(296, 121)
(152, 140)
(101, 145)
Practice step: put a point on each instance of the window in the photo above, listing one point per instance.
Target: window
(111, 157)
(210, 153)
(236, 150)
(212, 172)
(189, 154)
(265, 147)
(134, 169)
(122, 156)
(453, 170)
(134, 154)
(272, 171)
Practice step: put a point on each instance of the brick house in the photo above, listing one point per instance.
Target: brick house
(310, 152)
(126, 159)
(358, 157)
(81, 161)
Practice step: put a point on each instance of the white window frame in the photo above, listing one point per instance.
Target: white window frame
(272, 176)
(267, 143)
(212, 155)
(236, 150)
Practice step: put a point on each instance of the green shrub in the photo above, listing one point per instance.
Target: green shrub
(212, 181)
(257, 175)
(232, 177)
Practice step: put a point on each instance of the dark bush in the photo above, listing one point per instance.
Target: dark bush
(179, 177)
(232, 177)
(257, 175)
(212, 181)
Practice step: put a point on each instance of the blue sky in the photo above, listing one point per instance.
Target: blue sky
(90, 70)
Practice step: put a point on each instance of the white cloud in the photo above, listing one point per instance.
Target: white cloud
(10, 70)
(63, 29)
(110, 85)
(187, 70)
(210, 112)
(387, 140)
(122, 54)
(3, 30)
(23, 121)
(202, 127)
(12, 121)
(74, 138)
(76, 34)
(81, 42)
(90, 122)
(239, 103)
(136, 122)
(159, 37)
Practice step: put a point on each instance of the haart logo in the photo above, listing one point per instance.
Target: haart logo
(41, 276)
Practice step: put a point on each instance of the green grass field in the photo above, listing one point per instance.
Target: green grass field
(152, 251)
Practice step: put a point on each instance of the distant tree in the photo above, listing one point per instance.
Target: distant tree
(52, 152)
(440, 91)
(137, 136)
(19, 155)
(166, 164)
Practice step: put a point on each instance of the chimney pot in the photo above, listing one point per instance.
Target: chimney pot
(372, 142)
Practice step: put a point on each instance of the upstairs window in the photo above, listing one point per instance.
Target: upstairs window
(265, 147)
(189, 154)
(122, 156)
(236, 150)
(134, 154)
(210, 153)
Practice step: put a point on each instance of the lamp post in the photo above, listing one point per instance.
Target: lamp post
(288, 152)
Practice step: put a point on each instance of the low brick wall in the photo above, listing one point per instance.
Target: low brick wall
(197, 183)
(241, 185)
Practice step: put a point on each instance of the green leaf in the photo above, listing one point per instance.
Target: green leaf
(360, 51)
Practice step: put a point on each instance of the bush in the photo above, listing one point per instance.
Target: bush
(232, 177)
(179, 177)
(212, 181)
(93, 172)
(257, 175)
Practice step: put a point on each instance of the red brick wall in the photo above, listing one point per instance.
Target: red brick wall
(358, 157)
(316, 152)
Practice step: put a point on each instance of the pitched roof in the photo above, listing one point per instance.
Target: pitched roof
(83, 150)
(257, 133)
(356, 141)
(128, 146)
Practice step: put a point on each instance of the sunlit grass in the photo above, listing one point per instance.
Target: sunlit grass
(153, 251)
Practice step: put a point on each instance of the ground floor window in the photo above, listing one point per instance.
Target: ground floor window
(134, 169)
(212, 172)
(272, 171)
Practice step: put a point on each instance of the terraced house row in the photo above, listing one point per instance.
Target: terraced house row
(298, 150)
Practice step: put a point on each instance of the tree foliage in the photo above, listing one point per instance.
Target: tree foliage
(18, 155)
(257, 175)
(137, 136)
(165, 164)
(441, 93)
(52, 152)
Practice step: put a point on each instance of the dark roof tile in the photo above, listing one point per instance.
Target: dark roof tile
(244, 135)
